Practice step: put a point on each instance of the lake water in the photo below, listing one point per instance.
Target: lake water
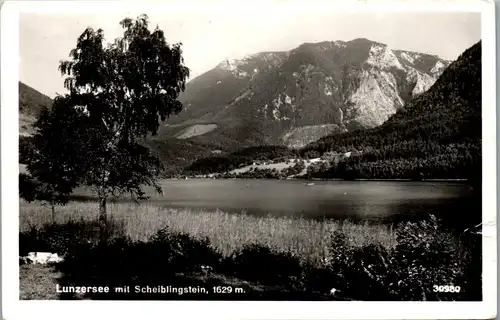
(357, 200)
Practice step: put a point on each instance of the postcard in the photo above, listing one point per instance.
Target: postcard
(237, 160)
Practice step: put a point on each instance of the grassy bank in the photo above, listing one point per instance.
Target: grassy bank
(304, 238)
(266, 258)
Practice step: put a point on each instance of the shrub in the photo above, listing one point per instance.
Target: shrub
(63, 238)
(165, 259)
(357, 272)
(425, 255)
(259, 264)
(184, 252)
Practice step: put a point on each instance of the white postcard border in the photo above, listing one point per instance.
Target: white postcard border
(13, 308)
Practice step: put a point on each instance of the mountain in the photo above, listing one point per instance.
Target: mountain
(293, 98)
(30, 105)
(437, 135)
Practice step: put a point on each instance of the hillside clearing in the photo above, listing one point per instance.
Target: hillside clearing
(196, 130)
(302, 136)
(26, 125)
(261, 165)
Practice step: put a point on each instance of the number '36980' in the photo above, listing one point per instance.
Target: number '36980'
(437, 288)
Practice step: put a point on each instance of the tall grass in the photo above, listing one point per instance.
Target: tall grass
(273, 258)
(304, 238)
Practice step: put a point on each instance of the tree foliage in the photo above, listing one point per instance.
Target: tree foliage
(52, 157)
(119, 93)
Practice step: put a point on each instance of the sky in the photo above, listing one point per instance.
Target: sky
(208, 38)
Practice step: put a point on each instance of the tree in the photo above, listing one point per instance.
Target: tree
(119, 93)
(25, 148)
(31, 190)
(52, 160)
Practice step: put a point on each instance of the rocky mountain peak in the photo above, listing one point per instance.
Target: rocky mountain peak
(381, 56)
(229, 64)
(251, 64)
(298, 96)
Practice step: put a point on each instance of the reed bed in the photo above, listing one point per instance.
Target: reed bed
(228, 232)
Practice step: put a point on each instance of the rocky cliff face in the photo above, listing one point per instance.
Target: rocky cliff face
(299, 96)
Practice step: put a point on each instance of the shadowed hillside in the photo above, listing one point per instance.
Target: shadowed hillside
(31, 103)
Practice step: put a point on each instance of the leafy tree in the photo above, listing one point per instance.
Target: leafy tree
(118, 95)
(25, 148)
(52, 160)
(31, 190)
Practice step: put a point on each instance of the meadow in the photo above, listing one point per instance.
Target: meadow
(270, 258)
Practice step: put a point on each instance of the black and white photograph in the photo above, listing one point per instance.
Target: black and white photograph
(268, 155)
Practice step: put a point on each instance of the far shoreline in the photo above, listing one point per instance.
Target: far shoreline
(319, 179)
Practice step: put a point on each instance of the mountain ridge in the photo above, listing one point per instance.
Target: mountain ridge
(322, 87)
(436, 136)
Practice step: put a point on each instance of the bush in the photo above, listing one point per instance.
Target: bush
(259, 264)
(423, 257)
(357, 272)
(64, 238)
(184, 253)
(165, 259)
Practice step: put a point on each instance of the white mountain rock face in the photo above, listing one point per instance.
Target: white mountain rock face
(234, 65)
(438, 68)
(382, 57)
(410, 57)
(230, 64)
(422, 80)
(376, 98)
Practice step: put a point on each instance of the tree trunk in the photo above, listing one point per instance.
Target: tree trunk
(102, 221)
(53, 213)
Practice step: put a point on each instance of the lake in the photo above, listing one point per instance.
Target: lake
(356, 200)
